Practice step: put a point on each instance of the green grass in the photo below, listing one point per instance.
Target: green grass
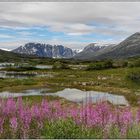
(114, 81)
(110, 80)
(67, 129)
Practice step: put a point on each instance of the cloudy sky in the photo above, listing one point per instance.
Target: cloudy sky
(71, 24)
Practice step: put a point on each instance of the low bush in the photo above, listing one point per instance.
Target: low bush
(100, 65)
(134, 63)
(120, 63)
(59, 65)
(134, 75)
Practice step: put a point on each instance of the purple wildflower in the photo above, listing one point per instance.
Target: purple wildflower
(14, 123)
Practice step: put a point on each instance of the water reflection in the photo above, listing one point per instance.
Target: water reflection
(74, 95)
(44, 66)
(14, 65)
(5, 65)
(22, 75)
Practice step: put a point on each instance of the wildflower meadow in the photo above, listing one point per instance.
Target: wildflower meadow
(51, 119)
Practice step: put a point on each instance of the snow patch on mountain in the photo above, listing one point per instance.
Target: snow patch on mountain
(45, 50)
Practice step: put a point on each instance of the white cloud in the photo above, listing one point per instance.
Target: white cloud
(72, 18)
(3, 36)
(11, 44)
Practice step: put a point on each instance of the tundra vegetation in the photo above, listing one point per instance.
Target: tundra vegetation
(52, 117)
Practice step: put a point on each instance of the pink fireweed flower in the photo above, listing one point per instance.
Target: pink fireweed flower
(112, 118)
(1, 124)
(10, 106)
(26, 117)
(45, 108)
(13, 123)
(21, 117)
(126, 117)
(123, 131)
(138, 116)
(124, 120)
(20, 103)
(57, 110)
(73, 112)
(36, 111)
(37, 114)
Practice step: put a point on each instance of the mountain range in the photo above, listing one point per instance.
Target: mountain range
(130, 47)
(45, 50)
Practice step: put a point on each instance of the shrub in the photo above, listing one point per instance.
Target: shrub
(134, 75)
(60, 65)
(100, 65)
(134, 63)
(120, 63)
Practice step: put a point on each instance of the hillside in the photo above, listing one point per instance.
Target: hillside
(93, 49)
(8, 56)
(130, 47)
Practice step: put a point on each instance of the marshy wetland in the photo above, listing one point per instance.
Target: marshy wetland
(85, 76)
(65, 89)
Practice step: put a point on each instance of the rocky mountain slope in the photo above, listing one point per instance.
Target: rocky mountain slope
(92, 49)
(130, 47)
(45, 50)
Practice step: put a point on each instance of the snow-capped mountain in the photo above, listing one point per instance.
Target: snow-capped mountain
(45, 50)
(92, 49)
(76, 51)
